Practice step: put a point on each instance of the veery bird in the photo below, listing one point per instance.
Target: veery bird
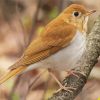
(59, 46)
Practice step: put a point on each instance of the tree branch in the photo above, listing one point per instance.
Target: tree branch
(83, 67)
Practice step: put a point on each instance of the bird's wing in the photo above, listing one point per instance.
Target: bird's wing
(53, 39)
(41, 50)
(45, 45)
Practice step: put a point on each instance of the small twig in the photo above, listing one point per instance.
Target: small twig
(13, 89)
(36, 79)
(22, 26)
(34, 20)
(83, 67)
(46, 87)
(60, 5)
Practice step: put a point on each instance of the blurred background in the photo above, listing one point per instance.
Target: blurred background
(20, 20)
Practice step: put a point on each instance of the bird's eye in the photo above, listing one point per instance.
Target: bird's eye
(76, 13)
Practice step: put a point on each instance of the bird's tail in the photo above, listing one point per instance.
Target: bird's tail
(12, 73)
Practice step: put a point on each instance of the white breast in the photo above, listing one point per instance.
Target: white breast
(66, 58)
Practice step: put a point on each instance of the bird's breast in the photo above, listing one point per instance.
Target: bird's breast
(66, 58)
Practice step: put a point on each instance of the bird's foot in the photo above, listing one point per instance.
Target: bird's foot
(65, 88)
(72, 72)
(59, 83)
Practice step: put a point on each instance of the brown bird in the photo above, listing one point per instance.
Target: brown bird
(59, 46)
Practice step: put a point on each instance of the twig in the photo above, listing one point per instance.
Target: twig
(46, 87)
(34, 20)
(22, 26)
(35, 80)
(83, 67)
(60, 5)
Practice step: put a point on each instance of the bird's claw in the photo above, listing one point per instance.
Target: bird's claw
(72, 72)
(65, 88)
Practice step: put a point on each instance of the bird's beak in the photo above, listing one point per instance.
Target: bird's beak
(90, 12)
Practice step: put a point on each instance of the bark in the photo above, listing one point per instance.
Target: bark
(83, 67)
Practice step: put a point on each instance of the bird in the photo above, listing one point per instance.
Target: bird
(58, 47)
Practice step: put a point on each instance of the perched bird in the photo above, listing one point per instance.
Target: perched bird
(58, 47)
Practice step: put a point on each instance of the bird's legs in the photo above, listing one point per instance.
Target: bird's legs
(59, 83)
(72, 72)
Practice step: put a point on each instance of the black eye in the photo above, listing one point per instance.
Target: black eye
(76, 13)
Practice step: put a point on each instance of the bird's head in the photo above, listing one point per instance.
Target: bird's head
(77, 15)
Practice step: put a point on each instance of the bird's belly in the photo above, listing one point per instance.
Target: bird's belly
(66, 58)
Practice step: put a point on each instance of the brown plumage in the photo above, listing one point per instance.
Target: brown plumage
(45, 45)
(56, 36)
